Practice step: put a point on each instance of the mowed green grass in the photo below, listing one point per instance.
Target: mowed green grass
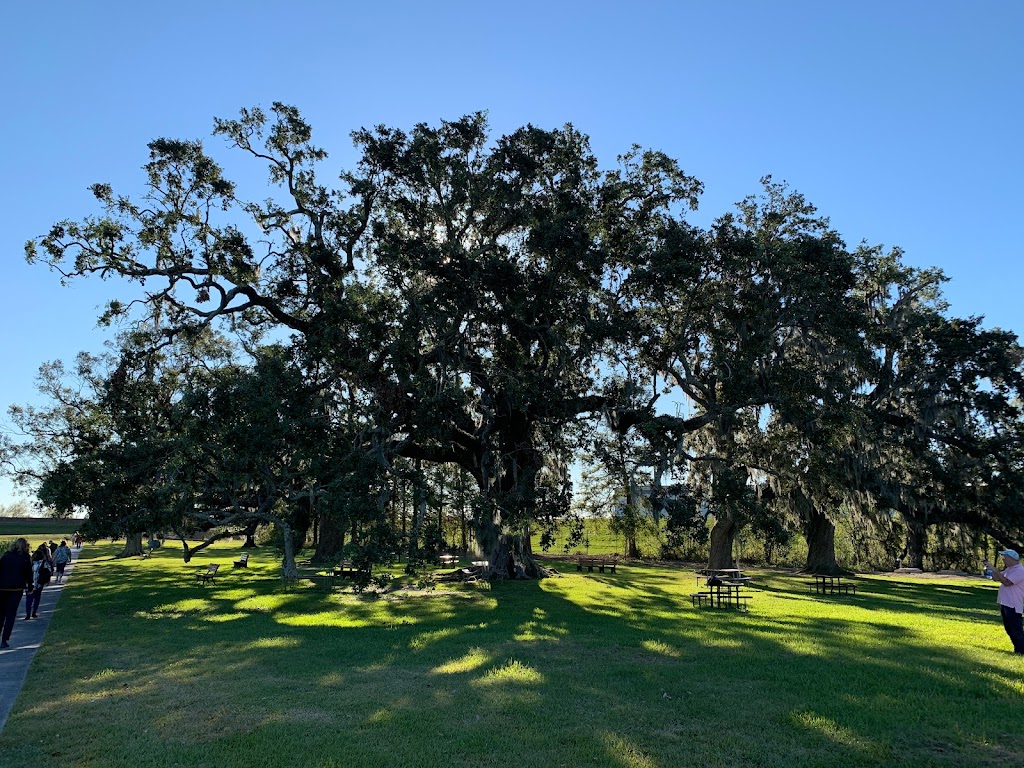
(143, 667)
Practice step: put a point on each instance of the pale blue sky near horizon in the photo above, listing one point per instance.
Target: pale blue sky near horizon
(901, 121)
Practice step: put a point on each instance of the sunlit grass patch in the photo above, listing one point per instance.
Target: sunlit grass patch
(271, 642)
(661, 648)
(472, 660)
(626, 753)
(251, 600)
(533, 631)
(425, 639)
(332, 618)
(381, 717)
(828, 728)
(512, 671)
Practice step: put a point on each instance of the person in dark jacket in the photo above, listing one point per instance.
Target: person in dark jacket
(15, 578)
(39, 580)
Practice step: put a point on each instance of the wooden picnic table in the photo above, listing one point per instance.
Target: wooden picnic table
(832, 585)
(348, 569)
(726, 574)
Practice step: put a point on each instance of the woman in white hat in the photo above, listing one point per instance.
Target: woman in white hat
(1011, 597)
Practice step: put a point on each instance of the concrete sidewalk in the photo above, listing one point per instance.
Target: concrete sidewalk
(25, 641)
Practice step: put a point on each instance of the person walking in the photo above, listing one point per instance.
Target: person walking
(1011, 597)
(40, 577)
(61, 557)
(15, 578)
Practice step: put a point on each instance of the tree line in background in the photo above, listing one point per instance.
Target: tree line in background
(431, 350)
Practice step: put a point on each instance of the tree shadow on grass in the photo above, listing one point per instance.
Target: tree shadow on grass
(967, 601)
(589, 669)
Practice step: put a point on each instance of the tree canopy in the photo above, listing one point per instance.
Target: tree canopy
(498, 305)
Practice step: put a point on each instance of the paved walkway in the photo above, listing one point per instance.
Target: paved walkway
(25, 641)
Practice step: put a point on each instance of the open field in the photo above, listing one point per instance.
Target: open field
(143, 667)
(12, 527)
(600, 539)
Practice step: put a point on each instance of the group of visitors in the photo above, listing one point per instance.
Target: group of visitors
(21, 572)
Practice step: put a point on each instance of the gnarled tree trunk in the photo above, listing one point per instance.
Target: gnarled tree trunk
(289, 570)
(419, 513)
(331, 541)
(722, 536)
(820, 533)
(132, 545)
(511, 496)
(512, 558)
(250, 535)
(917, 543)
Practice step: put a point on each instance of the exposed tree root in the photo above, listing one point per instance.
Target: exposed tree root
(474, 573)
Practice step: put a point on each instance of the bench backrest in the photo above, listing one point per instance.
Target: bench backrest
(213, 568)
(244, 558)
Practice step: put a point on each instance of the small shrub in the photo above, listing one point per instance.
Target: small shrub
(425, 582)
(361, 580)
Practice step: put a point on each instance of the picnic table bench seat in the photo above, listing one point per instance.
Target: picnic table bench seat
(700, 599)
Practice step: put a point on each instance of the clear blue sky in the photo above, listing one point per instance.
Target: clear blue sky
(901, 121)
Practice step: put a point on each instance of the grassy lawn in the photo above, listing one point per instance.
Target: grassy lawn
(143, 667)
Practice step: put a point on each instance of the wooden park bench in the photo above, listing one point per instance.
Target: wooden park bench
(242, 561)
(590, 563)
(209, 575)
